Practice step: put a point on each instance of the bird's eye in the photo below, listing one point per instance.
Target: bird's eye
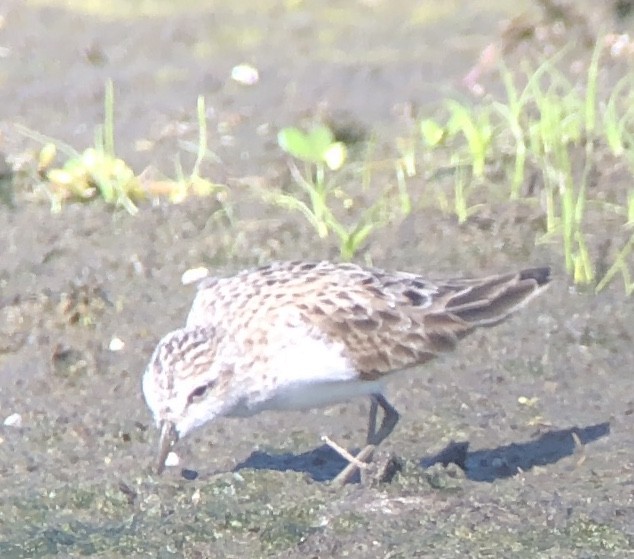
(199, 391)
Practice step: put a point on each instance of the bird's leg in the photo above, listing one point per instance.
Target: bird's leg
(374, 438)
(389, 421)
(374, 408)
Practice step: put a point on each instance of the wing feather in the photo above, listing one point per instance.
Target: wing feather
(387, 321)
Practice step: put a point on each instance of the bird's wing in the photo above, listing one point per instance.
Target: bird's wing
(387, 321)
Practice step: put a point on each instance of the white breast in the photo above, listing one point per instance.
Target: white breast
(307, 371)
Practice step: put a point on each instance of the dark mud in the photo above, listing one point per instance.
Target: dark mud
(520, 445)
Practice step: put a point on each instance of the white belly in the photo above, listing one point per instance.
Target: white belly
(303, 371)
(303, 396)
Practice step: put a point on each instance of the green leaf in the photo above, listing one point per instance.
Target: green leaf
(432, 132)
(321, 138)
(311, 147)
(294, 142)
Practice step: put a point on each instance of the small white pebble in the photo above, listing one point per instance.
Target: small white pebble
(529, 402)
(116, 344)
(194, 275)
(245, 74)
(196, 497)
(14, 420)
(137, 265)
(172, 460)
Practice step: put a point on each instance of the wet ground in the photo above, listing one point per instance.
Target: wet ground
(520, 445)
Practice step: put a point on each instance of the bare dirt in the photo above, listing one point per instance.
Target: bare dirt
(520, 445)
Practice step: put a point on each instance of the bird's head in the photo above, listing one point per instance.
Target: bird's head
(183, 384)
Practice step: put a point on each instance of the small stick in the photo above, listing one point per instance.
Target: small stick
(346, 474)
(344, 453)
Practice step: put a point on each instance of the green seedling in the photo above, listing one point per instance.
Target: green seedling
(549, 119)
(583, 270)
(407, 160)
(185, 185)
(95, 171)
(319, 200)
(317, 150)
(461, 194)
(553, 130)
(98, 172)
(617, 122)
(318, 146)
(402, 172)
(476, 129)
(512, 117)
(432, 133)
(621, 266)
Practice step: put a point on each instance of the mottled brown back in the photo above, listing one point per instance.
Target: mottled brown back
(387, 321)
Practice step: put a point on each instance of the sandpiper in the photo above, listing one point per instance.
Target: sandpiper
(298, 335)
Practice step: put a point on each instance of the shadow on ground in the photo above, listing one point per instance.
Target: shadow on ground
(507, 460)
(320, 464)
(323, 463)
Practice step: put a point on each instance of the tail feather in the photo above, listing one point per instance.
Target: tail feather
(540, 275)
(492, 300)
